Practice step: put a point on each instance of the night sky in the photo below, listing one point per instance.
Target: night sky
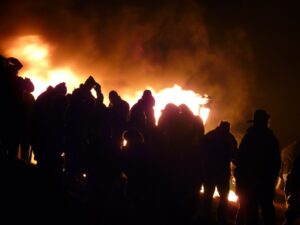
(243, 54)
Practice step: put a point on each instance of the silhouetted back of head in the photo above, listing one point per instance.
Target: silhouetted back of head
(61, 88)
(224, 125)
(183, 108)
(28, 85)
(113, 96)
(15, 63)
(261, 117)
(147, 93)
(148, 98)
(170, 108)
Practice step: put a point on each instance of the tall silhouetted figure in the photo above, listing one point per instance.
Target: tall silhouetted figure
(142, 114)
(218, 150)
(257, 168)
(119, 114)
(27, 106)
(11, 92)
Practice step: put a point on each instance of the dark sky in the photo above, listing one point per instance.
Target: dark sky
(273, 29)
(244, 54)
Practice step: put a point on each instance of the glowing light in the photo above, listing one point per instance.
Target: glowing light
(31, 48)
(177, 96)
(232, 197)
(202, 189)
(35, 53)
(32, 160)
(216, 193)
(84, 175)
(124, 144)
(204, 113)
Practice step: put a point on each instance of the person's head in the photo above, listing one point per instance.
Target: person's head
(28, 85)
(260, 118)
(15, 63)
(170, 109)
(148, 98)
(61, 88)
(113, 96)
(224, 125)
(147, 93)
(184, 109)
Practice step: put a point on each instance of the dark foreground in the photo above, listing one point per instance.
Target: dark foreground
(28, 198)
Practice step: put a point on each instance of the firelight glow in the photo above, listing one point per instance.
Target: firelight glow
(35, 54)
(177, 96)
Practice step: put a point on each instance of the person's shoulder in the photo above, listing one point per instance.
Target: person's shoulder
(211, 133)
(232, 136)
(124, 103)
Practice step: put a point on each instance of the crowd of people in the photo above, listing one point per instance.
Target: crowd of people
(120, 167)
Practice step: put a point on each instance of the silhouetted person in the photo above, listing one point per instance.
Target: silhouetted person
(257, 168)
(27, 107)
(79, 120)
(149, 111)
(119, 114)
(167, 123)
(218, 150)
(11, 92)
(41, 126)
(179, 158)
(142, 114)
(292, 191)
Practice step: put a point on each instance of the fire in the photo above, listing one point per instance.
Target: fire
(179, 96)
(36, 54)
(176, 95)
(232, 197)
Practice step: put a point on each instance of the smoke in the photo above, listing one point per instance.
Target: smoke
(131, 45)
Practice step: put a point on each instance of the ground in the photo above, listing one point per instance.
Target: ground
(28, 198)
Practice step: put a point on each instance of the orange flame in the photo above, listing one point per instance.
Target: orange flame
(177, 96)
(232, 197)
(36, 54)
(32, 50)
